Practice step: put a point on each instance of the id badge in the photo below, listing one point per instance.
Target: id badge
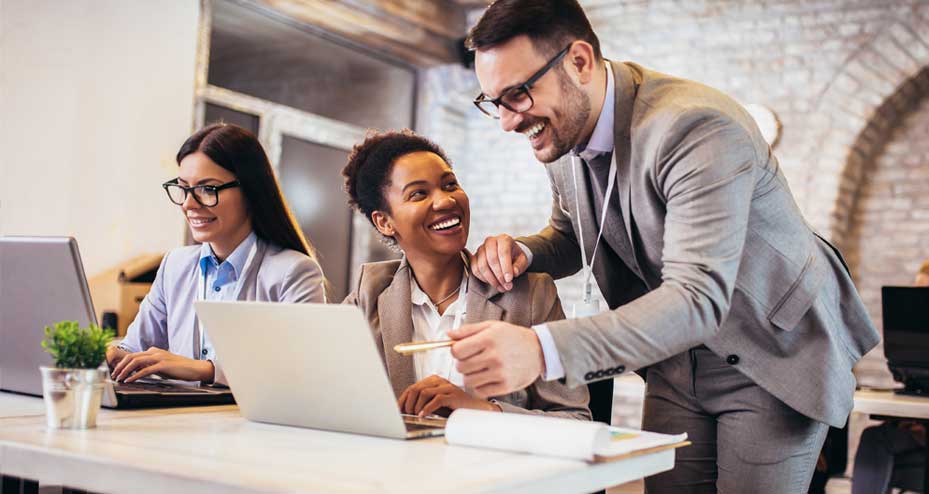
(585, 309)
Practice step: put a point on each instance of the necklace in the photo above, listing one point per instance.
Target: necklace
(456, 290)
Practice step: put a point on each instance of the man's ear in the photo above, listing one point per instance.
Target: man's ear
(383, 223)
(581, 57)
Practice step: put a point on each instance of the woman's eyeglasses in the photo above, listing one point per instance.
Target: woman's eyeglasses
(205, 195)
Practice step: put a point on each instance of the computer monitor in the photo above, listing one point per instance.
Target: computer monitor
(41, 282)
(906, 335)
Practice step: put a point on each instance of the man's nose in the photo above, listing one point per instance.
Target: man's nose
(509, 120)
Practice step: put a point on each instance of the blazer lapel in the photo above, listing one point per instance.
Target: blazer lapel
(480, 307)
(249, 286)
(625, 86)
(394, 310)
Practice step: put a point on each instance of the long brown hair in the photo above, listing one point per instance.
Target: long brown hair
(239, 151)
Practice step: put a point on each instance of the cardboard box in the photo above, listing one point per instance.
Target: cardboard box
(122, 288)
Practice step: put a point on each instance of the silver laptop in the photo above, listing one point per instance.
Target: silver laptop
(308, 365)
(42, 282)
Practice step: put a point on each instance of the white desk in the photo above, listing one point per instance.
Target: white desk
(889, 404)
(14, 405)
(213, 449)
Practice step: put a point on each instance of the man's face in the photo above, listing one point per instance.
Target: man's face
(555, 123)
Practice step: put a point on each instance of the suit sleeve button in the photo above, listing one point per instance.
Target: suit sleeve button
(589, 376)
(732, 359)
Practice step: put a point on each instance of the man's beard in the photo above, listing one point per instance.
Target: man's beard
(573, 113)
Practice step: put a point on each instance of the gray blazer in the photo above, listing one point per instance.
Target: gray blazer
(709, 248)
(383, 294)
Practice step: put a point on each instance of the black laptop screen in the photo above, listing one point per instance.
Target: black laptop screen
(906, 324)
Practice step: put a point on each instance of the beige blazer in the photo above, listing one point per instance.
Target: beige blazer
(383, 294)
(705, 245)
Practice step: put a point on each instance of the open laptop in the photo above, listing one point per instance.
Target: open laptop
(308, 365)
(42, 282)
(905, 314)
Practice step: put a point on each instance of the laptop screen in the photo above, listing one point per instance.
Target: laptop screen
(906, 324)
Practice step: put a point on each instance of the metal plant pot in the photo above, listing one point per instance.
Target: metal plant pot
(72, 396)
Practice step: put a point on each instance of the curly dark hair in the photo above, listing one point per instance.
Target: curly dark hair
(371, 161)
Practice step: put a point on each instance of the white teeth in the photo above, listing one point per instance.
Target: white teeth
(446, 224)
(535, 129)
(200, 221)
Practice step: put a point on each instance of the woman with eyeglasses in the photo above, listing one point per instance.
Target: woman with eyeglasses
(404, 185)
(250, 249)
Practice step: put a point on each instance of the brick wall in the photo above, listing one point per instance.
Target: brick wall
(888, 236)
(840, 75)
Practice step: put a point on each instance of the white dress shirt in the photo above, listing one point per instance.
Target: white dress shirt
(429, 325)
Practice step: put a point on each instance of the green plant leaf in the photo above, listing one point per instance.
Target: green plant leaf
(74, 347)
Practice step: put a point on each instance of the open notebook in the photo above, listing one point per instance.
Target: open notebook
(589, 441)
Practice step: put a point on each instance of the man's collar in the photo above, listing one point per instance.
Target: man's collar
(601, 140)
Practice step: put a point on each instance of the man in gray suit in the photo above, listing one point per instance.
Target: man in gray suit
(744, 321)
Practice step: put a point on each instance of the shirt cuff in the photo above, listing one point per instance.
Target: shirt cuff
(219, 377)
(526, 251)
(553, 368)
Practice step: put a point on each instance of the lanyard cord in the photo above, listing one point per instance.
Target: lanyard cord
(611, 182)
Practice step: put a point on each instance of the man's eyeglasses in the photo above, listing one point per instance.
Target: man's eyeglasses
(517, 99)
(205, 195)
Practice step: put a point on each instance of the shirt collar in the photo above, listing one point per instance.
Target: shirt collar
(419, 297)
(236, 260)
(601, 140)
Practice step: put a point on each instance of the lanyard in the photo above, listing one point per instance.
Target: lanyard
(611, 182)
(200, 336)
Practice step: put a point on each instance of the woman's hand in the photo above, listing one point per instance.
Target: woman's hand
(435, 394)
(134, 366)
(113, 355)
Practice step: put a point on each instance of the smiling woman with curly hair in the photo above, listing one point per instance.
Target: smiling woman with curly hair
(404, 184)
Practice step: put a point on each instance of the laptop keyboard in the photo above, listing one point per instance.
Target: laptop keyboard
(418, 427)
(159, 388)
(415, 423)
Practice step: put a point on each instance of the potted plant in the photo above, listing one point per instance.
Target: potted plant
(74, 387)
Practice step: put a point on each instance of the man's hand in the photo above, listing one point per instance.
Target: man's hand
(496, 357)
(435, 394)
(134, 366)
(498, 261)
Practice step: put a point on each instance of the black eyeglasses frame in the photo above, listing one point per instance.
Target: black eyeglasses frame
(187, 190)
(481, 99)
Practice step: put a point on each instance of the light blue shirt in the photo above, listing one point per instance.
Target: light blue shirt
(601, 142)
(221, 281)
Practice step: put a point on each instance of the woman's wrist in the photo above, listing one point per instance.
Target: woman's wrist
(207, 372)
